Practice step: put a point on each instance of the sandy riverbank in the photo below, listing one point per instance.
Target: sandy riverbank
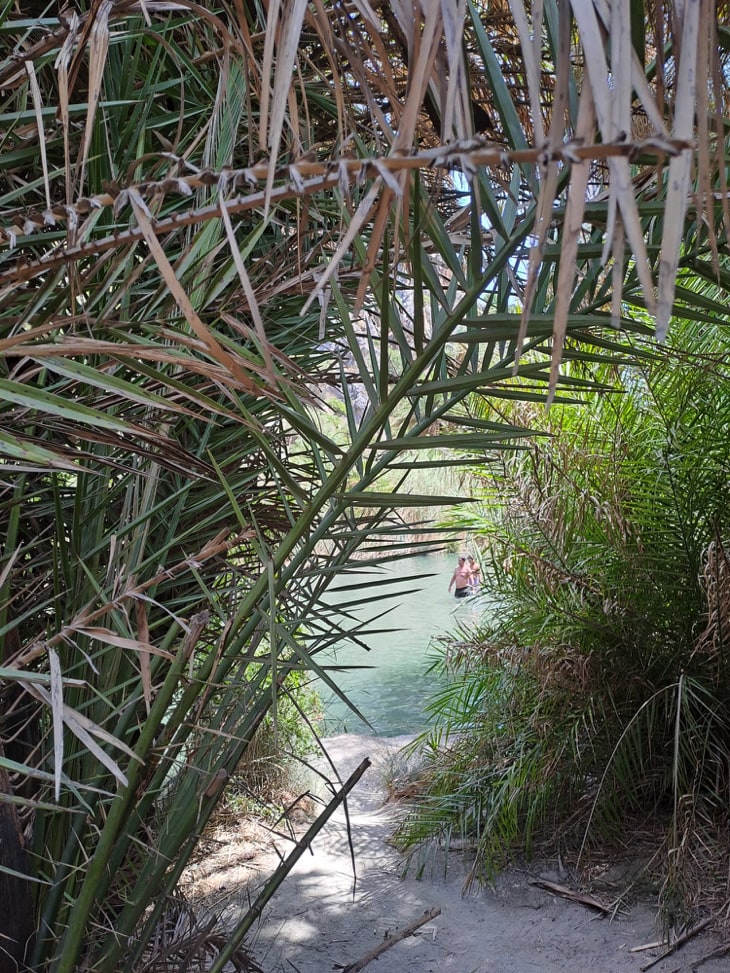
(317, 922)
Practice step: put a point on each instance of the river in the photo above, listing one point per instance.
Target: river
(392, 691)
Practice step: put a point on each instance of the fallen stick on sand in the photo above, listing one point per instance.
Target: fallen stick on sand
(579, 897)
(396, 937)
(680, 941)
(655, 945)
(713, 954)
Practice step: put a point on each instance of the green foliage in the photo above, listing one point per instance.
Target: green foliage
(171, 513)
(596, 688)
(271, 769)
(211, 215)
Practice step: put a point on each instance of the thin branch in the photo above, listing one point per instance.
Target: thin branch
(390, 942)
(303, 178)
(271, 886)
(580, 897)
(679, 941)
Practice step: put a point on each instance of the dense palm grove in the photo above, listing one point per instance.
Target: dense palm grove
(213, 217)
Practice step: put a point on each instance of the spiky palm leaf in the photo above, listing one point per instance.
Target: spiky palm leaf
(595, 692)
(211, 214)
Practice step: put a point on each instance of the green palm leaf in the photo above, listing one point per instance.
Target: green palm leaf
(213, 220)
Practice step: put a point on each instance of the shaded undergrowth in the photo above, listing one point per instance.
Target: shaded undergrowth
(591, 705)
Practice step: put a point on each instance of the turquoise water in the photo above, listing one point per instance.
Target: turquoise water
(392, 692)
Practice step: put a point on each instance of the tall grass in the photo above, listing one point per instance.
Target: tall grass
(594, 695)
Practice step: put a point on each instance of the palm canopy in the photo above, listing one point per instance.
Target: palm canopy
(211, 214)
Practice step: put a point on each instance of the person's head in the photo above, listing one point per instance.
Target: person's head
(461, 561)
(471, 560)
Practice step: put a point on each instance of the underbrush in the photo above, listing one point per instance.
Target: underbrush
(271, 781)
(523, 760)
(589, 710)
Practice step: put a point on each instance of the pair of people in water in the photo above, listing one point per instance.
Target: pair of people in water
(466, 577)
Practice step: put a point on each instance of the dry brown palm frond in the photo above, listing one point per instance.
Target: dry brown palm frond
(184, 940)
(572, 234)
(202, 171)
(468, 156)
(715, 581)
(416, 79)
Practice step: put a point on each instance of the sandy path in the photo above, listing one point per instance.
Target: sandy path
(316, 924)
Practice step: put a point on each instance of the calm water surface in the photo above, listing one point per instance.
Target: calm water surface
(391, 693)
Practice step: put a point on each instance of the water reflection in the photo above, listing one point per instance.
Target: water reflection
(392, 693)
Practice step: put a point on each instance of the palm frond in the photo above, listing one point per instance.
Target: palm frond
(213, 219)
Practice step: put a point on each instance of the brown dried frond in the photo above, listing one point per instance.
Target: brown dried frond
(182, 940)
(715, 581)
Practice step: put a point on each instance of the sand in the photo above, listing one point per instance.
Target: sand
(321, 920)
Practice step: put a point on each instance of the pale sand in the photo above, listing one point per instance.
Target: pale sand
(316, 923)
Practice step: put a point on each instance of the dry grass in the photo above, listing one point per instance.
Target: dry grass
(186, 939)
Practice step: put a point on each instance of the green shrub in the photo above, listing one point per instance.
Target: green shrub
(595, 692)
